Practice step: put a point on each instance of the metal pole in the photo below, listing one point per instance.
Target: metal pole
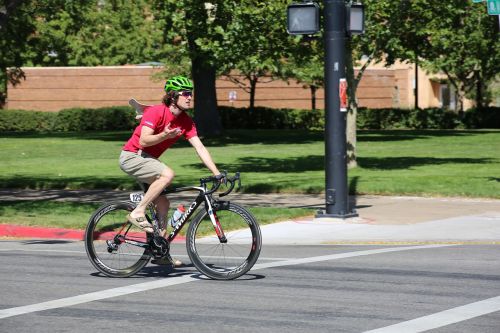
(337, 192)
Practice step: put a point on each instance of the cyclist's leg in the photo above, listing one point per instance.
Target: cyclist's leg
(155, 188)
(146, 169)
(162, 205)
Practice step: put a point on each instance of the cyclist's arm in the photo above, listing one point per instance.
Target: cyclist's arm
(204, 154)
(148, 138)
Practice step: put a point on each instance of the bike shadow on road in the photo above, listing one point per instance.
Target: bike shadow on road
(186, 270)
(170, 272)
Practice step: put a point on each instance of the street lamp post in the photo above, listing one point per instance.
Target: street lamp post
(336, 191)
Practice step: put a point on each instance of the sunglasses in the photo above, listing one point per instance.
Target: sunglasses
(186, 93)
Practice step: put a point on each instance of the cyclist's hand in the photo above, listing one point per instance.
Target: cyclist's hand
(222, 178)
(171, 132)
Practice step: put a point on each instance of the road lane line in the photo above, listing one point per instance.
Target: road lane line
(99, 295)
(444, 318)
(345, 255)
(172, 281)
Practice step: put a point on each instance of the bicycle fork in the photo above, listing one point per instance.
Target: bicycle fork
(215, 221)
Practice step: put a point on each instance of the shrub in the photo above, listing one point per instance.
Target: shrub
(26, 121)
(488, 117)
(122, 118)
(267, 118)
(107, 118)
(75, 119)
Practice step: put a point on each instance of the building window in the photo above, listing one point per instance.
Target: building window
(447, 97)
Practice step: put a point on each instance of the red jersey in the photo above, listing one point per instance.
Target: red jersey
(158, 117)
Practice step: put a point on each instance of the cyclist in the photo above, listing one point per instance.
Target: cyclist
(161, 126)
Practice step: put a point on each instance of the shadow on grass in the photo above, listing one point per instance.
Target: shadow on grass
(317, 163)
(56, 182)
(246, 136)
(403, 135)
(408, 162)
(45, 207)
(228, 137)
(244, 165)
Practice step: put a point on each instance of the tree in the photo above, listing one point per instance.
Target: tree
(188, 27)
(306, 64)
(466, 43)
(94, 33)
(254, 43)
(454, 37)
(16, 25)
(373, 45)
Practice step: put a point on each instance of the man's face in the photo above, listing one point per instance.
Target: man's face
(184, 100)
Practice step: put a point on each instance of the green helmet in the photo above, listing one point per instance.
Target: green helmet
(178, 83)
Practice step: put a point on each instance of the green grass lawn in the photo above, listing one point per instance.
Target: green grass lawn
(73, 215)
(435, 163)
(431, 163)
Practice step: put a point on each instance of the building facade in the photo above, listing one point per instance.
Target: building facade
(56, 88)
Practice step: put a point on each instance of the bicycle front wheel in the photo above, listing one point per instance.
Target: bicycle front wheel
(224, 260)
(114, 246)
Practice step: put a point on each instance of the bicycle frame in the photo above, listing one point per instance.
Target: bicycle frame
(203, 196)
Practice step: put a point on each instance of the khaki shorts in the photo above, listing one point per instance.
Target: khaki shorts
(144, 167)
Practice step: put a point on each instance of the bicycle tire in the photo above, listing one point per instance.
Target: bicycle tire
(230, 260)
(108, 223)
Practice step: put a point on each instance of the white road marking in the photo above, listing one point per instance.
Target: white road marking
(171, 253)
(135, 288)
(99, 295)
(344, 255)
(443, 318)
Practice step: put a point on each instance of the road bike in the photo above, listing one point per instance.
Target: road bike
(223, 240)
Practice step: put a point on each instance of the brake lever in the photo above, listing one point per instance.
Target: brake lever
(237, 177)
(229, 190)
(232, 181)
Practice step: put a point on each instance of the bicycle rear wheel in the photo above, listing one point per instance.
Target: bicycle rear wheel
(114, 246)
(229, 260)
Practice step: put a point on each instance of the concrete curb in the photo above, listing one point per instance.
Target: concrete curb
(18, 231)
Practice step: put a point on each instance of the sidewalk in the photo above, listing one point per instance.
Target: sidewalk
(381, 218)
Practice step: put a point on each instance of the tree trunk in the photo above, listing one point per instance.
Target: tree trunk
(479, 91)
(352, 140)
(352, 108)
(3, 89)
(205, 107)
(313, 97)
(416, 82)
(253, 86)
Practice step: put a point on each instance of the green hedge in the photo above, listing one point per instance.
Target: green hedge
(431, 118)
(76, 119)
(266, 118)
(123, 118)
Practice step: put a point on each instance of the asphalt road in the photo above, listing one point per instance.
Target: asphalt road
(50, 286)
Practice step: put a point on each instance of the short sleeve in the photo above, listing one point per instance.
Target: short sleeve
(150, 118)
(190, 129)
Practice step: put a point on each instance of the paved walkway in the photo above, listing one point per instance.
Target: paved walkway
(381, 218)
